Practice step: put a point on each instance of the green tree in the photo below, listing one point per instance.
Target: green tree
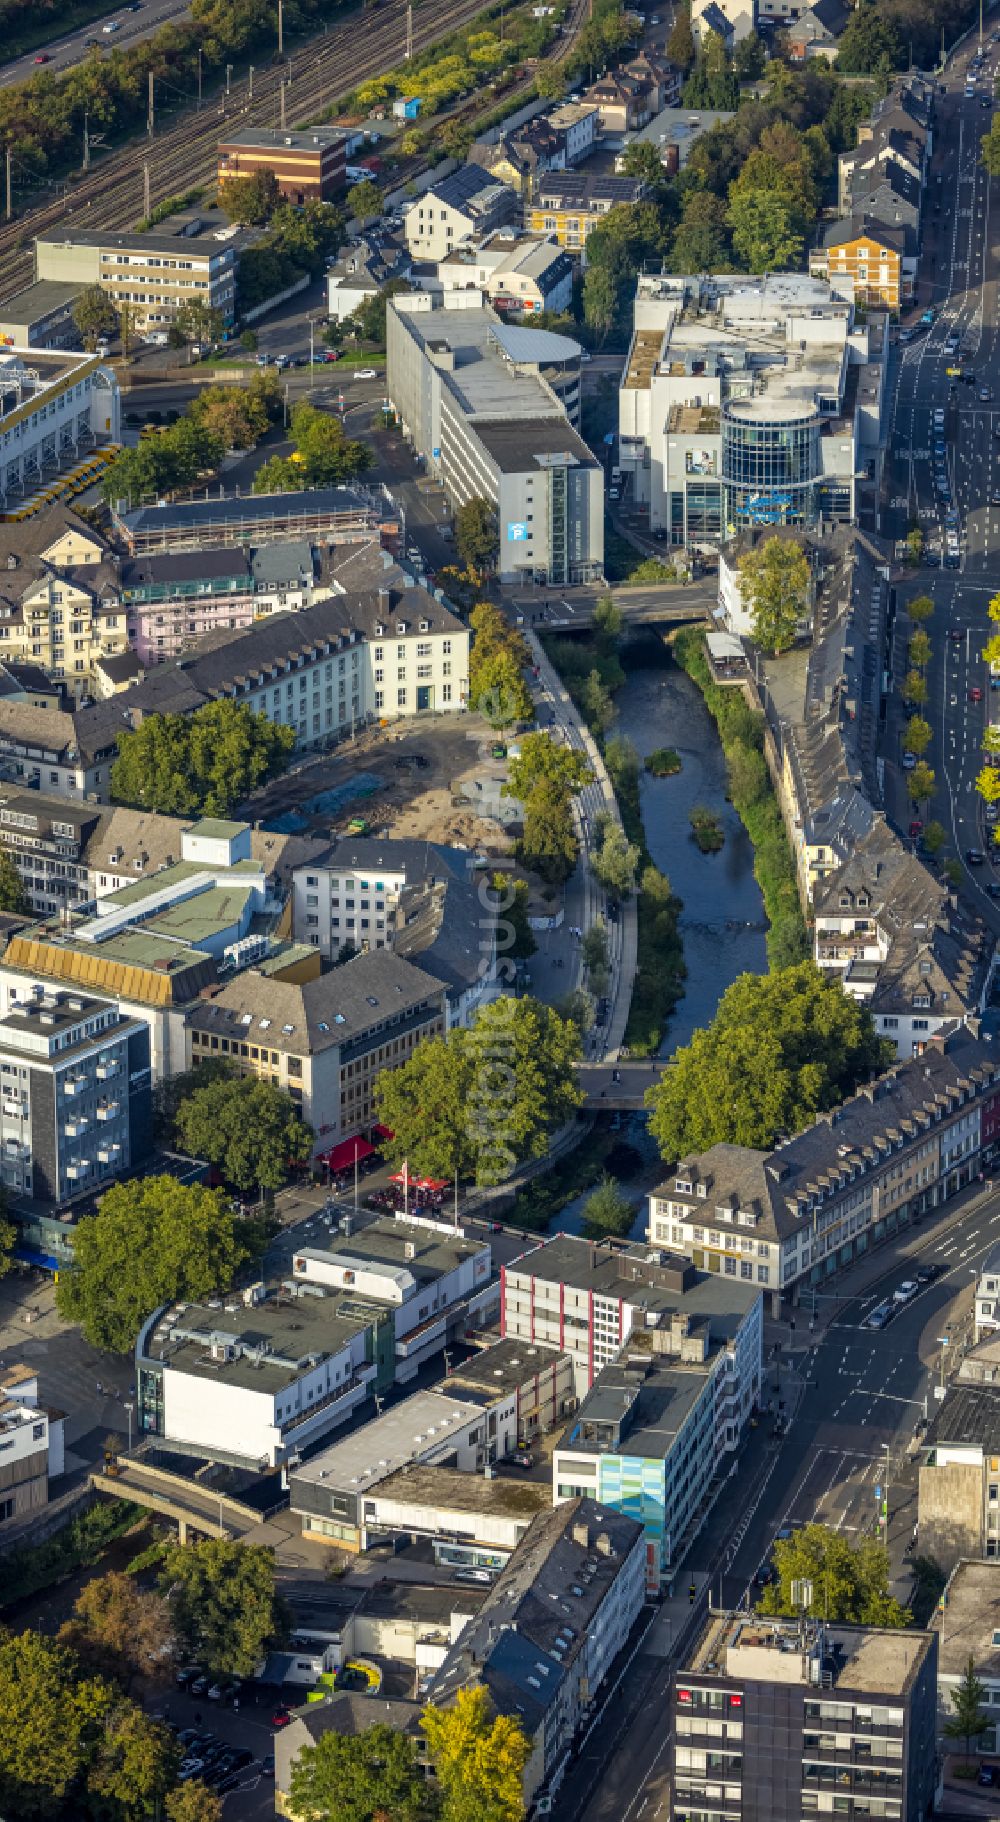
(51, 1719)
(186, 765)
(764, 232)
(917, 735)
(600, 297)
(134, 1766)
(250, 201)
(13, 897)
(492, 635)
(481, 1100)
(476, 535)
(641, 159)
(774, 584)
(549, 845)
(120, 1629)
(701, 242)
(920, 650)
(914, 544)
(250, 1129)
(869, 42)
(850, 1581)
(551, 81)
(94, 315)
(196, 321)
(478, 1758)
(594, 947)
(781, 1049)
(915, 689)
(750, 58)
(920, 609)
(541, 759)
(920, 782)
(152, 1240)
(515, 937)
(356, 1778)
(968, 1721)
(934, 838)
(499, 690)
(364, 200)
(988, 784)
(607, 1211)
(193, 1802)
(680, 43)
(225, 1604)
(990, 147)
(8, 1240)
(615, 860)
(367, 322)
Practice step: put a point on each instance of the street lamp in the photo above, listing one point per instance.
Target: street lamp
(129, 1408)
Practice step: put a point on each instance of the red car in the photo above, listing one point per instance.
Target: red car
(331, 355)
(281, 1718)
(916, 828)
(976, 694)
(43, 57)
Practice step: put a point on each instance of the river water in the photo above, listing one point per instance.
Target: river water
(723, 923)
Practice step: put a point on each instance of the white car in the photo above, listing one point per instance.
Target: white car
(909, 761)
(113, 25)
(907, 1291)
(366, 373)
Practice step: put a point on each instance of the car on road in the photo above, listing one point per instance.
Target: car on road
(43, 57)
(926, 1274)
(281, 1718)
(956, 635)
(974, 857)
(267, 1765)
(952, 560)
(940, 446)
(909, 761)
(975, 694)
(480, 1577)
(916, 828)
(931, 559)
(113, 25)
(366, 373)
(523, 1459)
(906, 1291)
(880, 1316)
(986, 395)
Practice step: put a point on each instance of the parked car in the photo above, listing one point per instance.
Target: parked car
(43, 57)
(199, 1686)
(975, 694)
(281, 1718)
(524, 1459)
(909, 761)
(481, 1577)
(187, 1674)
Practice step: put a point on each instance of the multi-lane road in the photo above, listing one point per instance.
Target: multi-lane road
(61, 54)
(943, 462)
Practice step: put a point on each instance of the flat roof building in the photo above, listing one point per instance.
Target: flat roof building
(307, 164)
(55, 409)
(967, 1622)
(492, 408)
(153, 274)
(771, 1702)
(471, 1522)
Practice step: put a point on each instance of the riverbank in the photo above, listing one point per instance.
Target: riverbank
(741, 731)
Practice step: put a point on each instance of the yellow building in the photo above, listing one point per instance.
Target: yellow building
(872, 258)
(65, 621)
(568, 204)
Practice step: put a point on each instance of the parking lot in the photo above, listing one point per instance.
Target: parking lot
(218, 1726)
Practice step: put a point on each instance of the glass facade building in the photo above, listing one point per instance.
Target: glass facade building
(770, 466)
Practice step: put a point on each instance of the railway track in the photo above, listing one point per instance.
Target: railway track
(183, 156)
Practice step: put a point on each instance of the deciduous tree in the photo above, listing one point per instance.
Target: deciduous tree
(119, 1629)
(917, 735)
(615, 860)
(252, 200)
(250, 1129)
(607, 1211)
(915, 689)
(774, 584)
(196, 321)
(781, 1049)
(225, 1603)
(968, 1697)
(360, 1777)
(151, 1240)
(364, 200)
(478, 1758)
(549, 845)
(849, 1581)
(13, 897)
(764, 232)
(920, 609)
(94, 315)
(919, 650)
(920, 782)
(680, 43)
(193, 1802)
(542, 759)
(185, 765)
(500, 691)
(476, 535)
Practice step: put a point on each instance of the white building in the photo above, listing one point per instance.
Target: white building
(734, 409)
(254, 1379)
(987, 1305)
(55, 409)
(731, 20)
(518, 275)
(431, 1279)
(468, 203)
(32, 1448)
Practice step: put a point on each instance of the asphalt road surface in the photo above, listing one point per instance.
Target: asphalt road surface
(63, 53)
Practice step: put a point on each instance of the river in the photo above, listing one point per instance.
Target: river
(723, 922)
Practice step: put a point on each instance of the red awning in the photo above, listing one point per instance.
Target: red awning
(433, 1184)
(348, 1153)
(382, 1132)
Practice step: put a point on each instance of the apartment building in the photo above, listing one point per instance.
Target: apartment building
(958, 1488)
(555, 140)
(468, 203)
(75, 1096)
(545, 1639)
(569, 204)
(258, 1375)
(518, 276)
(32, 1447)
(172, 599)
(66, 621)
(419, 899)
(330, 1493)
(986, 1311)
(433, 1280)
(491, 407)
(656, 1427)
(325, 516)
(308, 165)
(873, 262)
(55, 408)
(151, 275)
(324, 1041)
(771, 1717)
(735, 409)
(790, 1218)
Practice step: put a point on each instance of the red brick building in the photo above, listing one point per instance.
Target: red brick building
(310, 163)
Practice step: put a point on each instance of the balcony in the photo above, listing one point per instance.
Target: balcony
(75, 1129)
(108, 1110)
(15, 1110)
(105, 1069)
(75, 1084)
(109, 1154)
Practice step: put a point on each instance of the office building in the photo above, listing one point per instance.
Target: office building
(491, 408)
(151, 275)
(779, 1719)
(967, 1624)
(307, 165)
(254, 1377)
(470, 1522)
(789, 1218)
(40, 316)
(738, 407)
(660, 1422)
(433, 1280)
(589, 1299)
(32, 1447)
(75, 1096)
(549, 1631)
(55, 408)
(540, 1381)
(330, 1492)
(421, 900)
(326, 1040)
(470, 202)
